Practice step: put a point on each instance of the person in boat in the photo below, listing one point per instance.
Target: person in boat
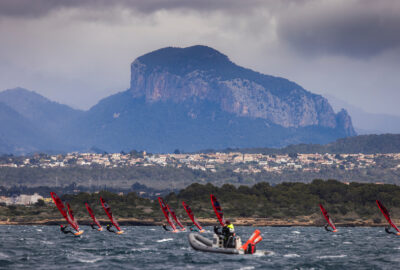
(165, 227)
(228, 233)
(193, 228)
(109, 228)
(387, 230)
(65, 229)
(327, 228)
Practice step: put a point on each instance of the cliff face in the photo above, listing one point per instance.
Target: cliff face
(201, 73)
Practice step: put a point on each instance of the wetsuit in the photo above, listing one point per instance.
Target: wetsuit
(228, 232)
(165, 227)
(327, 228)
(64, 229)
(109, 228)
(387, 230)
(92, 225)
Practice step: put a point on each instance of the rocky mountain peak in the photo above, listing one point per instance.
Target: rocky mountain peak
(202, 74)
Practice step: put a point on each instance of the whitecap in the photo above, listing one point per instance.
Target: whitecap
(88, 260)
(291, 255)
(347, 243)
(164, 240)
(39, 230)
(3, 256)
(152, 229)
(332, 256)
(247, 268)
(140, 249)
(296, 232)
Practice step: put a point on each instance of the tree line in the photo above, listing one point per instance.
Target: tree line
(345, 202)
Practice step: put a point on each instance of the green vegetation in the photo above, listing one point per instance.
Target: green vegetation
(346, 203)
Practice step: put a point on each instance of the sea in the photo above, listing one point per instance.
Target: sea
(141, 247)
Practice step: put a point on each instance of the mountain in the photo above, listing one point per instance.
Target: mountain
(195, 98)
(49, 115)
(189, 99)
(31, 122)
(365, 122)
(17, 134)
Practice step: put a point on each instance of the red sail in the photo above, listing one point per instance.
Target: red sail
(165, 211)
(190, 214)
(218, 210)
(92, 215)
(63, 211)
(386, 214)
(107, 209)
(175, 217)
(327, 217)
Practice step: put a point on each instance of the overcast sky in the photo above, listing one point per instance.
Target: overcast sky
(77, 52)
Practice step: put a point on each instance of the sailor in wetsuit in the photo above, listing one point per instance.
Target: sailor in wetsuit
(228, 232)
(327, 228)
(109, 226)
(65, 229)
(387, 230)
(165, 227)
(93, 227)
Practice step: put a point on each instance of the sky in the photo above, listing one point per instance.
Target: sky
(77, 52)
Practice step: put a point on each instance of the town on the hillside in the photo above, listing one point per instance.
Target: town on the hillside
(212, 162)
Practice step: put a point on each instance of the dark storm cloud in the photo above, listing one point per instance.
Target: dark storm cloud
(35, 8)
(352, 28)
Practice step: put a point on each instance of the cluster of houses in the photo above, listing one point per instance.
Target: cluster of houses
(21, 199)
(238, 162)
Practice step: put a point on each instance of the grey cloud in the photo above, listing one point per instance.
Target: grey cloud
(37, 8)
(351, 28)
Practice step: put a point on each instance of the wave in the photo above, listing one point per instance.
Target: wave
(332, 256)
(164, 240)
(291, 255)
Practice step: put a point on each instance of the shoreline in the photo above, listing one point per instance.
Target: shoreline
(249, 222)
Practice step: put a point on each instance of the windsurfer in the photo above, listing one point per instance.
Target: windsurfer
(193, 228)
(65, 229)
(228, 232)
(387, 230)
(92, 225)
(165, 227)
(109, 226)
(327, 228)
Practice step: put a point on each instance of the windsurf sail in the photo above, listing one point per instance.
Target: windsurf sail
(92, 215)
(66, 212)
(107, 209)
(327, 217)
(175, 217)
(386, 214)
(218, 210)
(191, 216)
(166, 213)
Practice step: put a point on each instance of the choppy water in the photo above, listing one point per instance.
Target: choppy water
(44, 247)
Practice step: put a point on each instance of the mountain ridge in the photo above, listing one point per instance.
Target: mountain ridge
(187, 98)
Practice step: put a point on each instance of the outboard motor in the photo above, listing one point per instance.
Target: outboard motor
(251, 249)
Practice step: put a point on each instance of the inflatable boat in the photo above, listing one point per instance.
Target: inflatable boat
(200, 243)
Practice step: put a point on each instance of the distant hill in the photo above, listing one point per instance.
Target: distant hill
(31, 122)
(195, 98)
(367, 123)
(366, 144)
(182, 98)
